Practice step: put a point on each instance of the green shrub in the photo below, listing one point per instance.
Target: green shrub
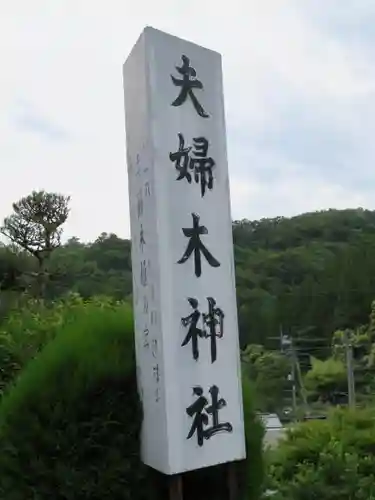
(69, 426)
(327, 460)
(31, 324)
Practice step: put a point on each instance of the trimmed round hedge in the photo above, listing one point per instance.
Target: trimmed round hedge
(70, 425)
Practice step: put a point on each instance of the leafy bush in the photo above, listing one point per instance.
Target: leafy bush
(31, 324)
(269, 373)
(325, 378)
(69, 426)
(327, 460)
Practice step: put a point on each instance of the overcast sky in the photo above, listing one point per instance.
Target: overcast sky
(299, 79)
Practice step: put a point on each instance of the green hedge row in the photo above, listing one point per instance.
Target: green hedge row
(70, 424)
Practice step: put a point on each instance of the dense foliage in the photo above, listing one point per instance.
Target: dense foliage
(268, 372)
(30, 324)
(327, 460)
(309, 275)
(69, 427)
(70, 415)
(68, 400)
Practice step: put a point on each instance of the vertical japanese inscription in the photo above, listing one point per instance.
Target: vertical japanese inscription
(196, 246)
(202, 412)
(140, 203)
(147, 307)
(212, 327)
(188, 83)
(142, 241)
(193, 163)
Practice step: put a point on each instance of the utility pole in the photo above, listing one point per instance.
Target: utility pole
(294, 387)
(349, 369)
(301, 384)
(286, 345)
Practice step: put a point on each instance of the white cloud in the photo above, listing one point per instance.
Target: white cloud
(291, 196)
(62, 61)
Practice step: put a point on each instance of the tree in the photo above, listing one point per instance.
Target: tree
(268, 372)
(12, 266)
(35, 226)
(326, 378)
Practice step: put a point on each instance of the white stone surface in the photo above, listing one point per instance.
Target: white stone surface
(161, 206)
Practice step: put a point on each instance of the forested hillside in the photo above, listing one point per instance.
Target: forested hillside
(308, 275)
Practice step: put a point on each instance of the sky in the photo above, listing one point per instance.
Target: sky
(299, 85)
